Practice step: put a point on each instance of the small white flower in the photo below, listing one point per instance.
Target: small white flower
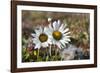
(49, 19)
(58, 33)
(41, 38)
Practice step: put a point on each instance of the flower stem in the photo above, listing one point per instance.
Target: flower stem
(61, 58)
(38, 55)
(55, 52)
(50, 50)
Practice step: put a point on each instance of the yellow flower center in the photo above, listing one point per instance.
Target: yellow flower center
(57, 35)
(43, 37)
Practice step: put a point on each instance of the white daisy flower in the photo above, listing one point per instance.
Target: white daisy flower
(41, 38)
(58, 33)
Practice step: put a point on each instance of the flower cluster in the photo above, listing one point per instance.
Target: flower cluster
(53, 37)
(55, 33)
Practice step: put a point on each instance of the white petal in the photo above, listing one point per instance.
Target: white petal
(36, 40)
(65, 30)
(47, 31)
(66, 41)
(61, 29)
(37, 46)
(49, 41)
(54, 25)
(59, 45)
(37, 32)
(41, 29)
(65, 34)
(63, 43)
(54, 41)
(66, 38)
(50, 32)
(45, 44)
(34, 35)
(58, 24)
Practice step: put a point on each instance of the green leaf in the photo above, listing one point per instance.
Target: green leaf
(47, 58)
(39, 59)
(27, 55)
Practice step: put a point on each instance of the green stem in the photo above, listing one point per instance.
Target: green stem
(61, 58)
(50, 50)
(55, 52)
(38, 55)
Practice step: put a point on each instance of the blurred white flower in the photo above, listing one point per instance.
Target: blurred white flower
(58, 33)
(70, 52)
(41, 39)
(49, 19)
